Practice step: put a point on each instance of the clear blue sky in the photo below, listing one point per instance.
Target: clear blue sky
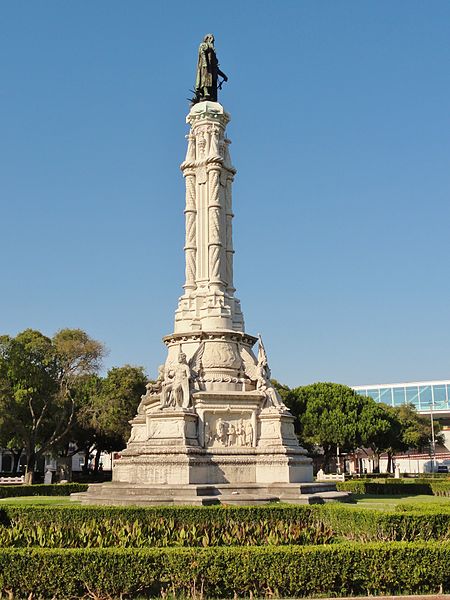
(341, 137)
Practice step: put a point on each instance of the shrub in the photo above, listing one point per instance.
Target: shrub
(441, 508)
(391, 487)
(440, 488)
(65, 489)
(340, 570)
(79, 526)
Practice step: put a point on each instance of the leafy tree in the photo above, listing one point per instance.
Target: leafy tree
(82, 437)
(108, 406)
(37, 376)
(409, 430)
(332, 415)
(9, 439)
(282, 389)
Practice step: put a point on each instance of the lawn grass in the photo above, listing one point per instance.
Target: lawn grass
(38, 501)
(390, 502)
(361, 501)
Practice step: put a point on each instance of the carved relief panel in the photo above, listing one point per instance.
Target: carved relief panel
(221, 354)
(138, 433)
(226, 431)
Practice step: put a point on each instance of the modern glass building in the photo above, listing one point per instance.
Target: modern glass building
(427, 396)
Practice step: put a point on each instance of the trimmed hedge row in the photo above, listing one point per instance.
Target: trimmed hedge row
(440, 488)
(340, 570)
(442, 508)
(64, 489)
(80, 526)
(393, 487)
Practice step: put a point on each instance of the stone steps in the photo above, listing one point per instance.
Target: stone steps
(123, 494)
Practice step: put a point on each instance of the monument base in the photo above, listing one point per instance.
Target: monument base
(225, 437)
(173, 466)
(150, 476)
(125, 494)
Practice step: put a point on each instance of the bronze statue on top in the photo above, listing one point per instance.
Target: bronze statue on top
(206, 83)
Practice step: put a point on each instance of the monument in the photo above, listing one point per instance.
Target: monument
(212, 427)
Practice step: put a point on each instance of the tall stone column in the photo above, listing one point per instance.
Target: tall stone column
(212, 420)
(217, 235)
(190, 247)
(208, 302)
(229, 250)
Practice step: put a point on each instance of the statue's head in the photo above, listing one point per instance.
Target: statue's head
(209, 39)
(181, 357)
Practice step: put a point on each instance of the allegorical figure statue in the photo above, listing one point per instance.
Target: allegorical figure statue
(180, 384)
(206, 83)
(260, 374)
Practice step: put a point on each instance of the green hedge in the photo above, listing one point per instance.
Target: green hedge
(440, 488)
(79, 526)
(65, 489)
(441, 508)
(393, 487)
(340, 570)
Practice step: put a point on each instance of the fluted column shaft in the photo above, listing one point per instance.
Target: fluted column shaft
(190, 247)
(217, 234)
(229, 250)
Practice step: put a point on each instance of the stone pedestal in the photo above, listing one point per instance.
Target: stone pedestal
(212, 428)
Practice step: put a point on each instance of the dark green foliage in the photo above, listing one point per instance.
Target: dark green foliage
(14, 491)
(104, 409)
(112, 402)
(393, 487)
(331, 415)
(77, 526)
(440, 488)
(37, 376)
(384, 489)
(230, 550)
(339, 570)
(423, 507)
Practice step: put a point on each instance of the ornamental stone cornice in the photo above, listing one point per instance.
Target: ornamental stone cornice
(199, 336)
(212, 111)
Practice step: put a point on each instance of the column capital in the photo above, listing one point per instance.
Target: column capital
(208, 111)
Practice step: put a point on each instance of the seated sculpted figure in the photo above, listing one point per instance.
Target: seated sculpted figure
(155, 387)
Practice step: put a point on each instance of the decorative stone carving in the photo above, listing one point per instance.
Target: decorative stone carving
(191, 232)
(155, 387)
(260, 374)
(179, 379)
(228, 433)
(214, 133)
(201, 143)
(208, 176)
(190, 154)
(165, 429)
(248, 434)
(221, 354)
(138, 433)
(153, 390)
